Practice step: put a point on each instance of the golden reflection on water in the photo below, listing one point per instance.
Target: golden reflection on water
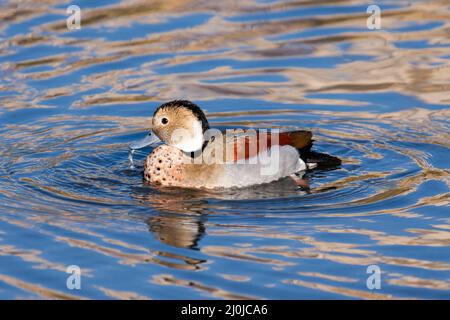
(167, 279)
(37, 290)
(393, 69)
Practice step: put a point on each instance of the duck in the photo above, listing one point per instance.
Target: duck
(188, 153)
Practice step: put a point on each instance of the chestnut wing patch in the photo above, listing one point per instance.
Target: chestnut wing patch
(245, 143)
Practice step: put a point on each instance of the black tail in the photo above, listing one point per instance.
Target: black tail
(322, 160)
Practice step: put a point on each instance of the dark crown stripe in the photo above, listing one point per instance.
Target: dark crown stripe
(188, 105)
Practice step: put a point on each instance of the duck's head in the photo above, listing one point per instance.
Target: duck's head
(178, 123)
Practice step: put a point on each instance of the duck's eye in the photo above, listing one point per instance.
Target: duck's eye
(164, 120)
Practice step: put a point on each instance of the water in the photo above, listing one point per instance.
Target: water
(72, 101)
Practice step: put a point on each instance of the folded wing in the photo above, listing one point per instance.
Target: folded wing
(245, 144)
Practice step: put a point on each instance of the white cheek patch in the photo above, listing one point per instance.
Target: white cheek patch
(188, 140)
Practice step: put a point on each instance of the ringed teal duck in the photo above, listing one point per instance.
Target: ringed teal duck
(195, 156)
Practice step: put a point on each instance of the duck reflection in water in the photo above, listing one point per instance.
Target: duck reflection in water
(182, 213)
(181, 217)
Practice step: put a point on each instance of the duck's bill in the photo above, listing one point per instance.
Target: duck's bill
(150, 139)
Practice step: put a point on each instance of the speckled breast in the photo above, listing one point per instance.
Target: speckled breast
(164, 166)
